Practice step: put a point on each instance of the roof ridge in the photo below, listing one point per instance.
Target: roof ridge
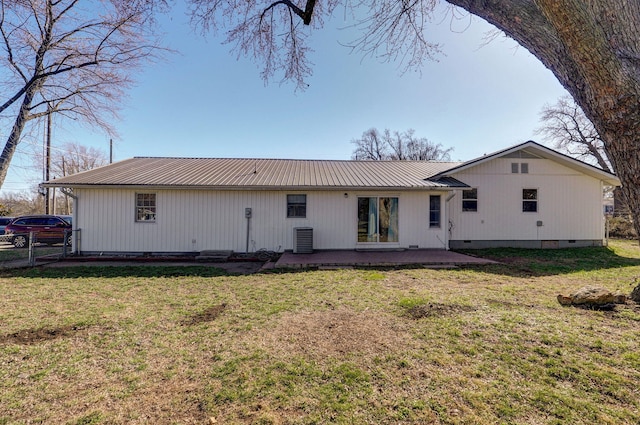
(388, 161)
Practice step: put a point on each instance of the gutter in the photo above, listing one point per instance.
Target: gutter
(74, 226)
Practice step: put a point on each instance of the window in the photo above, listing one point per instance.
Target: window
(514, 167)
(378, 219)
(296, 206)
(434, 211)
(470, 200)
(524, 168)
(53, 221)
(529, 200)
(146, 207)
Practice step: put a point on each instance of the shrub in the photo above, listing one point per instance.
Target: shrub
(621, 227)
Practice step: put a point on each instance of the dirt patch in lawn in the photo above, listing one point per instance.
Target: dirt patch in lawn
(208, 315)
(437, 309)
(334, 333)
(35, 336)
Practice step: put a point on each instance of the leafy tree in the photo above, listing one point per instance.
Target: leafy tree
(377, 146)
(591, 46)
(69, 57)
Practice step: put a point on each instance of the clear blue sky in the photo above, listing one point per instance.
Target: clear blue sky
(202, 102)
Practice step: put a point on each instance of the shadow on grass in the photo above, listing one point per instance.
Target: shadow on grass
(542, 262)
(118, 271)
(512, 262)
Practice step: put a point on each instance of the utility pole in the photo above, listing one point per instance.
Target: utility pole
(110, 151)
(64, 173)
(48, 159)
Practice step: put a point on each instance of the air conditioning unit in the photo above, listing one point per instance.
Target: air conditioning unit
(303, 240)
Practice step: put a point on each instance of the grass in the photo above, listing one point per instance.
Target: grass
(480, 345)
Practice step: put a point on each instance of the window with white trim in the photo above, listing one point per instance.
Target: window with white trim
(435, 216)
(146, 207)
(297, 206)
(470, 200)
(529, 200)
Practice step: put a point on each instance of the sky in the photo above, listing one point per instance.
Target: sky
(203, 101)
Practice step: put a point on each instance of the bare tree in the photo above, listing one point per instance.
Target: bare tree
(370, 146)
(397, 146)
(74, 158)
(70, 158)
(17, 204)
(567, 128)
(592, 47)
(271, 31)
(69, 57)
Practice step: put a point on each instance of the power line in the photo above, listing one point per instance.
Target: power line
(39, 145)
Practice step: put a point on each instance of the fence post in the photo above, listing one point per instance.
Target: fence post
(32, 259)
(64, 244)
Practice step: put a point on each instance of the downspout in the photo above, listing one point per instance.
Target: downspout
(605, 227)
(447, 233)
(74, 226)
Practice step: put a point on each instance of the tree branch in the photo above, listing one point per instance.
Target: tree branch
(287, 3)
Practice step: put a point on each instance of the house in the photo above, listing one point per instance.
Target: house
(524, 196)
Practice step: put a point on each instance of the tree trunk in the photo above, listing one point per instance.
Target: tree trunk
(16, 132)
(593, 48)
(624, 153)
(620, 208)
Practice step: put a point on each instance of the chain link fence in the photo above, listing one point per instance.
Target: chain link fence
(24, 249)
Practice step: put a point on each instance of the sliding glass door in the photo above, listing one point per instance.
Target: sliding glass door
(378, 219)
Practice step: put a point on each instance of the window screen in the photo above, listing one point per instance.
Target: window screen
(470, 200)
(296, 206)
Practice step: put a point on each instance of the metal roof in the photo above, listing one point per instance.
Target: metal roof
(229, 173)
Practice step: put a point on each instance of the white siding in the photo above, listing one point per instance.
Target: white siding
(196, 220)
(569, 203)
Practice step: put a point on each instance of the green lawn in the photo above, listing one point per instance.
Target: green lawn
(480, 345)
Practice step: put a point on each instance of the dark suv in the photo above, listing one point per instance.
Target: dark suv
(48, 229)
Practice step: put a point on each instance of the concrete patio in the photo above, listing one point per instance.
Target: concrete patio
(424, 257)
